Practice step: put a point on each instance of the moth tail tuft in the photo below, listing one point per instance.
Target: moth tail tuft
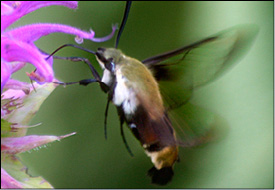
(162, 176)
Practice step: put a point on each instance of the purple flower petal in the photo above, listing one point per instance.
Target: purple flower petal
(17, 65)
(8, 182)
(114, 28)
(18, 85)
(6, 9)
(15, 145)
(7, 68)
(12, 50)
(15, 94)
(21, 8)
(5, 73)
(31, 33)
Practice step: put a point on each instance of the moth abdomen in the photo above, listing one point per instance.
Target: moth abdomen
(162, 176)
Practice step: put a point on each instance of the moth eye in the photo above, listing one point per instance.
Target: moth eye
(110, 65)
(100, 56)
(101, 49)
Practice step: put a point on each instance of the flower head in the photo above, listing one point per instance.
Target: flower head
(17, 45)
(19, 100)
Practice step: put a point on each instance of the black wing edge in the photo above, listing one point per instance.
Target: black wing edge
(247, 34)
(161, 57)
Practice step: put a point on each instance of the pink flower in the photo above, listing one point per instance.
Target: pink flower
(17, 45)
(19, 102)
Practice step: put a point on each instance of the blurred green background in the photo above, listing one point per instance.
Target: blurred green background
(243, 96)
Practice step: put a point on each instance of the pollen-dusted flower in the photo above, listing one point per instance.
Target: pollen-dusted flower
(20, 100)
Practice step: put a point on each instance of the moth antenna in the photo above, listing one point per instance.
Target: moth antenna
(126, 14)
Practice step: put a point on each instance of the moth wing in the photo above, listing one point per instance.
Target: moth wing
(195, 125)
(180, 71)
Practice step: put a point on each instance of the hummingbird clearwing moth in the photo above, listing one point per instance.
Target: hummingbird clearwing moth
(145, 92)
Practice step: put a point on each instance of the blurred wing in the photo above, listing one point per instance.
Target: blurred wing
(195, 125)
(180, 71)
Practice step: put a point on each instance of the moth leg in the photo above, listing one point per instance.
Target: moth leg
(123, 138)
(121, 118)
(83, 82)
(105, 119)
(105, 88)
(85, 60)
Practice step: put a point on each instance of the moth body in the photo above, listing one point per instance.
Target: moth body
(135, 93)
